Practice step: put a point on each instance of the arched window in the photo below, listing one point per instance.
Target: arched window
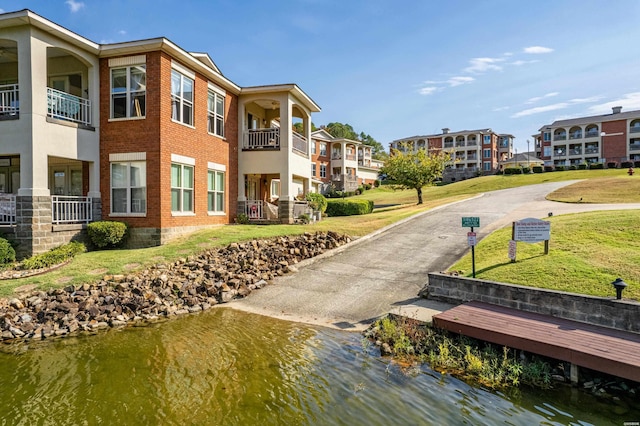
(592, 131)
(575, 132)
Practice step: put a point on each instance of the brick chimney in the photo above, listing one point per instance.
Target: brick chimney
(616, 109)
(445, 130)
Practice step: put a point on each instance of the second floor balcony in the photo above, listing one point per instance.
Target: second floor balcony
(9, 101)
(269, 139)
(64, 106)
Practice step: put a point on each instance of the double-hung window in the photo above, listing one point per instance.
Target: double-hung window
(215, 194)
(323, 148)
(486, 139)
(181, 188)
(215, 113)
(129, 187)
(181, 98)
(323, 170)
(313, 169)
(486, 153)
(128, 91)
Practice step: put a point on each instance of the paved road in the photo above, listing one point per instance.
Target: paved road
(383, 272)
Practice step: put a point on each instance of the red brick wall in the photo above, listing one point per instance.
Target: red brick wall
(319, 159)
(159, 137)
(614, 148)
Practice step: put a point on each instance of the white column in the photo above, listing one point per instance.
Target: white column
(286, 177)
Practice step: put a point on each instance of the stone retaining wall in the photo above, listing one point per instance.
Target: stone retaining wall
(607, 312)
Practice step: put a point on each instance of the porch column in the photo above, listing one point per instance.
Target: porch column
(286, 201)
(242, 126)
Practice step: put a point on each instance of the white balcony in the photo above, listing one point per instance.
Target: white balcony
(64, 106)
(7, 209)
(9, 100)
(67, 210)
(261, 139)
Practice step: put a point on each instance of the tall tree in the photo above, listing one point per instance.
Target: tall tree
(299, 127)
(415, 169)
(340, 130)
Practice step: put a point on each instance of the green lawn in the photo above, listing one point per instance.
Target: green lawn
(91, 266)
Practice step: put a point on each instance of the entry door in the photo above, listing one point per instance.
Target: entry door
(253, 183)
(59, 181)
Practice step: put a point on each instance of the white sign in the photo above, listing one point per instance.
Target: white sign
(531, 230)
(471, 238)
(512, 250)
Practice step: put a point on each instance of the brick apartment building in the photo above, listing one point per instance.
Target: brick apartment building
(143, 132)
(610, 139)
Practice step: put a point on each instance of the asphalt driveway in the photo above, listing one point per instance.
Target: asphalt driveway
(383, 272)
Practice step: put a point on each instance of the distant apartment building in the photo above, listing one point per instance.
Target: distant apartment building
(473, 152)
(343, 164)
(608, 138)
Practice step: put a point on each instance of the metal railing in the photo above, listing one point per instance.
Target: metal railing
(634, 129)
(9, 100)
(69, 209)
(254, 209)
(592, 134)
(64, 106)
(634, 146)
(7, 209)
(575, 135)
(560, 137)
(262, 139)
(350, 157)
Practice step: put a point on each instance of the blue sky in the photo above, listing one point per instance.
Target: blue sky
(395, 69)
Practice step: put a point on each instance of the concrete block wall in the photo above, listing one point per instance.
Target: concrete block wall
(606, 312)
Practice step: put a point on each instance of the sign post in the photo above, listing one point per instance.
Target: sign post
(529, 230)
(471, 222)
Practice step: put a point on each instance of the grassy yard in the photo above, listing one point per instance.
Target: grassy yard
(91, 266)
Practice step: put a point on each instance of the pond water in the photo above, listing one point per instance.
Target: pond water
(224, 367)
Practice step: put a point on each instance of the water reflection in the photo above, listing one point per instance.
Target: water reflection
(233, 368)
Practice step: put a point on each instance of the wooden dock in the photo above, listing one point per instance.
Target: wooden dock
(601, 349)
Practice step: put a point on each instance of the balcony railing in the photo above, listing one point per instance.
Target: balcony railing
(64, 106)
(472, 142)
(634, 146)
(262, 139)
(575, 151)
(254, 209)
(591, 150)
(634, 129)
(68, 209)
(562, 137)
(350, 157)
(9, 100)
(448, 144)
(459, 143)
(576, 135)
(299, 143)
(592, 134)
(7, 209)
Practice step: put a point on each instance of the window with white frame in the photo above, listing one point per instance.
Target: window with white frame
(129, 187)
(487, 138)
(486, 153)
(323, 148)
(181, 188)
(215, 113)
(547, 151)
(313, 169)
(181, 98)
(546, 136)
(313, 147)
(215, 188)
(323, 170)
(487, 166)
(128, 91)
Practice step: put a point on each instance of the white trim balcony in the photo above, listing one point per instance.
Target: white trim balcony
(9, 101)
(299, 143)
(64, 106)
(69, 209)
(261, 139)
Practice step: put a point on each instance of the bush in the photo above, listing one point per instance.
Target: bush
(636, 164)
(349, 208)
(304, 218)
(548, 168)
(582, 166)
(626, 164)
(573, 167)
(242, 219)
(560, 169)
(366, 186)
(595, 166)
(7, 252)
(317, 201)
(107, 233)
(55, 256)
(537, 169)
(612, 165)
(526, 170)
(376, 183)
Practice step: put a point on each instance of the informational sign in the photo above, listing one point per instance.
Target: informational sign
(531, 230)
(471, 238)
(471, 222)
(512, 250)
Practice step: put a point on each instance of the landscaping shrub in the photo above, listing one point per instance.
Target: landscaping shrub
(349, 208)
(559, 168)
(317, 201)
(612, 165)
(582, 166)
(55, 256)
(573, 167)
(7, 252)
(366, 186)
(107, 233)
(304, 218)
(548, 168)
(376, 183)
(526, 170)
(626, 164)
(242, 219)
(594, 166)
(636, 164)
(537, 169)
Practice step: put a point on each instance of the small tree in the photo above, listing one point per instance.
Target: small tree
(415, 169)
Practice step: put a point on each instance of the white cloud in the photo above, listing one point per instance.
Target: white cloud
(498, 109)
(480, 65)
(520, 62)
(537, 50)
(1, 10)
(539, 98)
(74, 5)
(122, 32)
(428, 90)
(628, 102)
(554, 107)
(458, 81)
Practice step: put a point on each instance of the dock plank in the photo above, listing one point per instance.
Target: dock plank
(598, 348)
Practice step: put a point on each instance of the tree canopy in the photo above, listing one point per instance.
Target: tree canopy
(415, 169)
(340, 130)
